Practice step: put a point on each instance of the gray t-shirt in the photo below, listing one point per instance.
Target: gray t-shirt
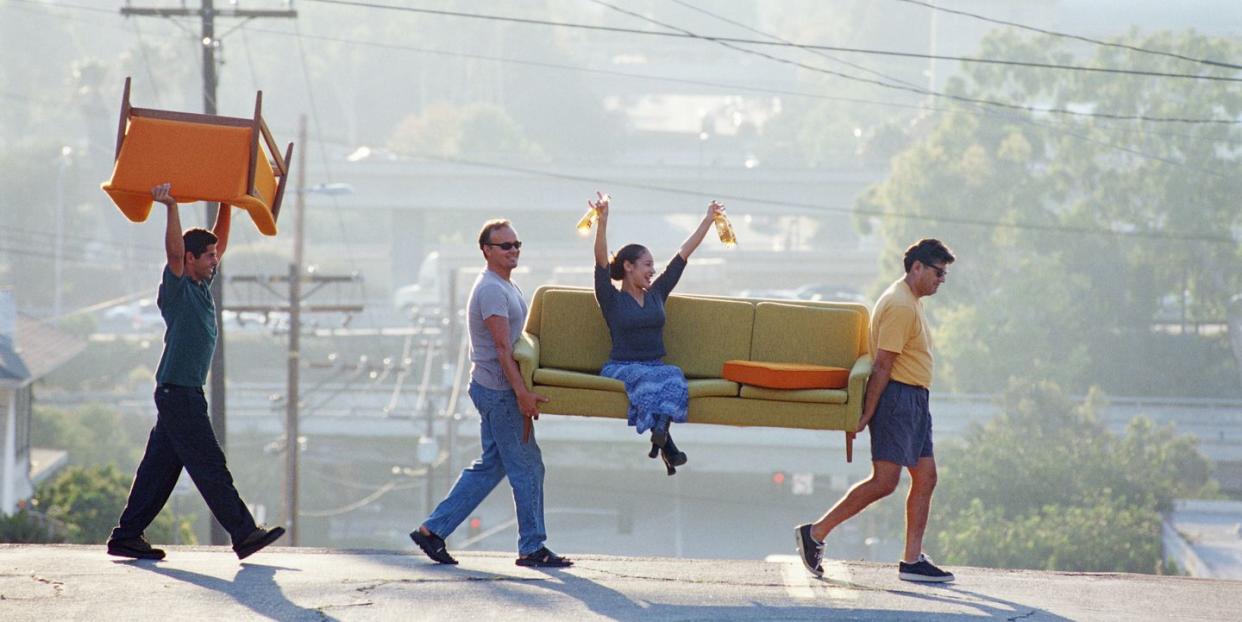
(190, 339)
(492, 296)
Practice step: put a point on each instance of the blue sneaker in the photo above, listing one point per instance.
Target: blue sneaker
(809, 551)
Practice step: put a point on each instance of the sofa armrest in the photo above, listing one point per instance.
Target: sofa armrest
(526, 353)
(857, 390)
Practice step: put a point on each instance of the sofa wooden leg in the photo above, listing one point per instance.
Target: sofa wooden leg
(849, 446)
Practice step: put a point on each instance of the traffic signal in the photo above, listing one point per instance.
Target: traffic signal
(778, 479)
(475, 526)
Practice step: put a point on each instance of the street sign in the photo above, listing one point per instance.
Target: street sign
(803, 484)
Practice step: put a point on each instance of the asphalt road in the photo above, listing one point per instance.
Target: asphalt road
(68, 582)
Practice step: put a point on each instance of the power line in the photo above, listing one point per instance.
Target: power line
(977, 110)
(1054, 33)
(811, 208)
(901, 87)
(974, 110)
(771, 36)
(921, 91)
(803, 46)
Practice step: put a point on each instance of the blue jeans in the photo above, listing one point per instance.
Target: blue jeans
(182, 436)
(504, 453)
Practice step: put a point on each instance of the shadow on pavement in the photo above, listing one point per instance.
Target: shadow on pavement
(605, 601)
(254, 586)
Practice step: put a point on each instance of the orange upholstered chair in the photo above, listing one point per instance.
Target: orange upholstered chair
(205, 157)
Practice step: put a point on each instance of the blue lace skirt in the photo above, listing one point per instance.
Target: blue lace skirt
(658, 392)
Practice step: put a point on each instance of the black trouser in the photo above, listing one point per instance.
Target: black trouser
(182, 436)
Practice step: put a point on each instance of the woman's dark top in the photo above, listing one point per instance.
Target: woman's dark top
(637, 331)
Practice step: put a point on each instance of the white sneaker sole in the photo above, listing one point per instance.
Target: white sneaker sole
(922, 578)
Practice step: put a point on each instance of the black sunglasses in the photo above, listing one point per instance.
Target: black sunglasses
(504, 246)
(940, 272)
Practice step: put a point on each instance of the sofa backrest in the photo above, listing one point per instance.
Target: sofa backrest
(571, 330)
(700, 334)
(803, 333)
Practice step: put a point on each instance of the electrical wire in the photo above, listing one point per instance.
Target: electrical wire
(902, 87)
(980, 111)
(1054, 33)
(922, 91)
(803, 46)
(811, 208)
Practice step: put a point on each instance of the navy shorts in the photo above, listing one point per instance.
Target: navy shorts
(901, 429)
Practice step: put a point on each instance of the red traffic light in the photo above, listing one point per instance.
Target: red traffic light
(778, 478)
(476, 523)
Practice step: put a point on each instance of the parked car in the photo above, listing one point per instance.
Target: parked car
(138, 316)
(810, 291)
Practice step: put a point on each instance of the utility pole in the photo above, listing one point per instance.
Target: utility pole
(295, 352)
(294, 308)
(209, 43)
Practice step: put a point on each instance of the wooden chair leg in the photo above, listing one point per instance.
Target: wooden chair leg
(849, 446)
(120, 132)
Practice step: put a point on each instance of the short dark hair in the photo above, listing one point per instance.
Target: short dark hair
(630, 253)
(197, 240)
(928, 251)
(485, 234)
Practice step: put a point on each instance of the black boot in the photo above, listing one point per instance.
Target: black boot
(658, 439)
(673, 457)
(662, 444)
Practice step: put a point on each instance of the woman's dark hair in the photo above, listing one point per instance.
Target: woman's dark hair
(197, 240)
(927, 252)
(630, 253)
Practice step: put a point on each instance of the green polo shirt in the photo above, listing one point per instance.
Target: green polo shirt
(190, 339)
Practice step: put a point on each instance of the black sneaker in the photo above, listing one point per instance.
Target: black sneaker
(433, 546)
(544, 558)
(809, 551)
(137, 548)
(257, 539)
(924, 571)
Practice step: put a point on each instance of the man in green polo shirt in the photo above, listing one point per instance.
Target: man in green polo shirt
(895, 408)
(182, 436)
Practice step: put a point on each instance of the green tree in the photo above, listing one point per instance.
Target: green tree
(1045, 485)
(1013, 192)
(471, 130)
(88, 501)
(28, 526)
(92, 435)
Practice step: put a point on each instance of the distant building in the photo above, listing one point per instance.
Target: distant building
(1204, 538)
(29, 350)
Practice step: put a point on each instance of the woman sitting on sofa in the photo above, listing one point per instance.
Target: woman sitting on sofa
(657, 392)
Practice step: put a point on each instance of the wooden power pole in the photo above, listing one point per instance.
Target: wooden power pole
(208, 13)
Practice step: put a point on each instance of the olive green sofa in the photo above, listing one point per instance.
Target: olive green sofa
(565, 343)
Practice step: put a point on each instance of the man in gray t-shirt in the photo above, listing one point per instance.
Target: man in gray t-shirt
(496, 313)
(492, 296)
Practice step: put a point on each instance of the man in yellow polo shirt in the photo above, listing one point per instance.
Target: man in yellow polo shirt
(895, 407)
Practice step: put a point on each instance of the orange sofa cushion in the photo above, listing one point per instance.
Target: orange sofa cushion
(204, 162)
(786, 375)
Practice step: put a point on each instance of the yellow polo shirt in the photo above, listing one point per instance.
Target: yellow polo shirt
(898, 325)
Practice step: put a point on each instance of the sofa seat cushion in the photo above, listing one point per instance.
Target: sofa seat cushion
(706, 387)
(810, 396)
(577, 380)
(786, 375)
